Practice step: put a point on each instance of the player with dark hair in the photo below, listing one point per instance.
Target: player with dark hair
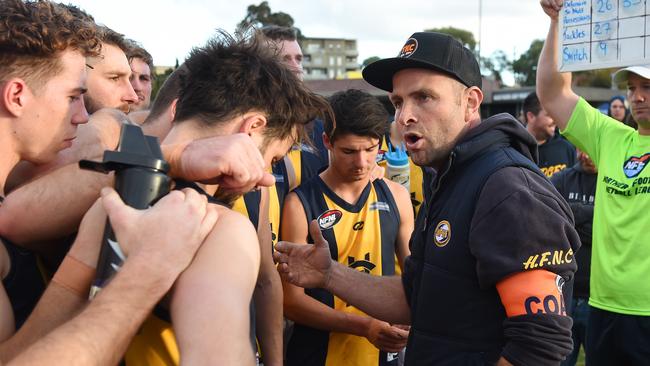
(367, 223)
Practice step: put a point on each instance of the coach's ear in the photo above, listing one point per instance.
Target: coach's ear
(252, 122)
(15, 94)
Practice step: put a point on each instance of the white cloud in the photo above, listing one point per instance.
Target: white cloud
(168, 29)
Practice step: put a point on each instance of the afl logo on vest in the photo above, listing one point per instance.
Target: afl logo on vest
(409, 48)
(329, 218)
(442, 234)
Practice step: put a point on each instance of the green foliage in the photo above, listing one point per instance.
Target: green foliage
(258, 16)
(525, 67)
(159, 80)
(496, 65)
(463, 36)
(369, 60)
(599, 78)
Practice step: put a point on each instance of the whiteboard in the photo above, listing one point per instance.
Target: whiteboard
(596, 34)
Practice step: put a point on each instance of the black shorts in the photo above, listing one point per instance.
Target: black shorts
(617, 339)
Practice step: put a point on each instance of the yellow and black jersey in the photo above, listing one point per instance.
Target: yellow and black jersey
(416, 176)
(361, 236)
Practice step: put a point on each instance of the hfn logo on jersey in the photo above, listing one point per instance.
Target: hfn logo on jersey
(635, 165)
(329, 218)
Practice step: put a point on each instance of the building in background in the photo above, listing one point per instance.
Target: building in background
(329, 58)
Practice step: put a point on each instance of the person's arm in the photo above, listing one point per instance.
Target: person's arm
(407, 221)
(7, 322)
(531, 259)
(51, 206)
(306, 310)
(62, 300)
(554, 88)
(48, 207)
(268, 292)
(210, 301)
(158, 250)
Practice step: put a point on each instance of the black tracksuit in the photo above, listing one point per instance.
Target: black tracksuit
(488, 212)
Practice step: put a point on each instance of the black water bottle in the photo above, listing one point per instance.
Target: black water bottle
(140, 180)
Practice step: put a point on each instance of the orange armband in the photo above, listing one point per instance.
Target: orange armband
(532, 292)
(74, 276)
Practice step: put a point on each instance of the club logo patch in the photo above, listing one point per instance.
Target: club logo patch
(559, 283)
(442, 234)
(329, 218)
(409, 48)
(379, 206)
(635, 165)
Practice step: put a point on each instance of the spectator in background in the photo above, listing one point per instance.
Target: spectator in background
(617, 108)
(142, 72)
(555, 153)
(577, 184)
(619, 293)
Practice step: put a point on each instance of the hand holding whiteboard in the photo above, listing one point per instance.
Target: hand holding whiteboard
(596, 34)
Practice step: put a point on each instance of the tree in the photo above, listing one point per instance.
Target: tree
(598, 78)
(369, 60)
(496, 65)
(525, 67)
(463, 36)
(258, 16)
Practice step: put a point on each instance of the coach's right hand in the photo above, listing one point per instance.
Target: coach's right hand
(305, 265)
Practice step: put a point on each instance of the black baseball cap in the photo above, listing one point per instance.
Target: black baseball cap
(427, 50)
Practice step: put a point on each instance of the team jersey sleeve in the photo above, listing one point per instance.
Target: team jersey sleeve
(521, 224)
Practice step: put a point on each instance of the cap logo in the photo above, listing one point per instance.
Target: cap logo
(409, 48)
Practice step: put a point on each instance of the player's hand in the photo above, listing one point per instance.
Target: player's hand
(386, 337)
(164, 238)
(305, 265)
(233, 161)
(552, 7)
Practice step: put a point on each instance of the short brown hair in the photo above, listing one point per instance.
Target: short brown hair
(137, 51)
(109, 36)
(166, 94)
(32, 36)
(232, 76)
(357, 113)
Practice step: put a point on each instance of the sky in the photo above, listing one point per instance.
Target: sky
(168, 29)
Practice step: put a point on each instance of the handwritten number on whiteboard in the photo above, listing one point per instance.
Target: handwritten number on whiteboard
(603, 48)
(604, 5)
(628, 3)
(600, 28)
